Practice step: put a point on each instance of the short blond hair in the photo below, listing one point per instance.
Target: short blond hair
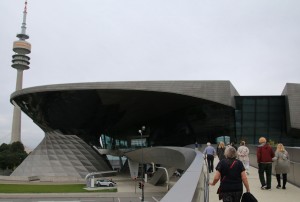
(262, 140)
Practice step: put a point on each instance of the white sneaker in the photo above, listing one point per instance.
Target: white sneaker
(264, 187)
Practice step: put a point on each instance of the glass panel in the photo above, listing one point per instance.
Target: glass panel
(249, 139)
(261, 116)
(261, 131)
(248, 116)
(276, 109)
(248, 108)
(248, 101)
(275, 117)
(248, 131)
(276, 124)
(248, 124)
(262, 101)
(238, 115)
(262, 108)
(138, 142)
(276, 101)
(238, 132)
(261, 123)
(275, 131)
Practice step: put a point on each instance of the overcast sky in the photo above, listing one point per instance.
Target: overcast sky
(253, 43)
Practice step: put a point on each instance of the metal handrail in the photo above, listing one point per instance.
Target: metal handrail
(206, 182)
(293, 162)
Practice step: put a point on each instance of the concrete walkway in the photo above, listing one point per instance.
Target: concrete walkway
(291, 194)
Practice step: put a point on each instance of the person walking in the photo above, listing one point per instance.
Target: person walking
(209, 154)
(196, 146)
(232, 176)
(221, 150)
(243, 155)
(264, 154)
(282, 165)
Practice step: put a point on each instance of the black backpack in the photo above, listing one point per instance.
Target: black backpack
(248, 197)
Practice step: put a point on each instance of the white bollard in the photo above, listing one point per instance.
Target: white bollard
(92, 182)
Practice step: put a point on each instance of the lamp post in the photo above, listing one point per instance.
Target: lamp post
(141, 132)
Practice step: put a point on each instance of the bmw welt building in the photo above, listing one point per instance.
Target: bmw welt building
(75, 117)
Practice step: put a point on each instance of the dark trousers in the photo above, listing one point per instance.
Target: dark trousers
(210, 162)
(232, 196)
(284, 179)
(262, 169)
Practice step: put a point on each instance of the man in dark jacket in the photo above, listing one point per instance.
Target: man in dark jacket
(264, 156)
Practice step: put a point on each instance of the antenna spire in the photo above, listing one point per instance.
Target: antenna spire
(25, 8)
(23, 35)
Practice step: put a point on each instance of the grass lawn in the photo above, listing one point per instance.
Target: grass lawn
(37, 188)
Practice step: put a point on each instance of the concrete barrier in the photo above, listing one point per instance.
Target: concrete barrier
(294, 153)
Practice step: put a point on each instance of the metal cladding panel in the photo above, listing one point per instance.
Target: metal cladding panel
(292, 92)
(221, 92)
(72, 158)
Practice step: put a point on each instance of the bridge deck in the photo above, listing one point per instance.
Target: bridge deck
(291, 194)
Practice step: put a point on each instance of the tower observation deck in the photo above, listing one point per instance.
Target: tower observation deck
(21, 47)
(20, 61)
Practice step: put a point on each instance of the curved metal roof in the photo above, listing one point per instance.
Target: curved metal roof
(221, 92)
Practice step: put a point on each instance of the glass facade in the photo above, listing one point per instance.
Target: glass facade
(107, 142)
(258, 116)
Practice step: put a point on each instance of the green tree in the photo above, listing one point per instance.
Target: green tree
(3, 159)
(12, 155)
(16, 147)
(4, 147)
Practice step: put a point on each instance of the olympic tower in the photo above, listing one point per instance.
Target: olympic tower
(20, 61)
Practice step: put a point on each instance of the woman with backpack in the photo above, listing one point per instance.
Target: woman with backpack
(231, 173)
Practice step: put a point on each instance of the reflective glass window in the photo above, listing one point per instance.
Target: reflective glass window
(248, 101)
(261, 116)
(261, 124)
(277, 101)
(262, 101)
(138, 142)
(262, 131)
(262, 108)
(249, 108)
(274, 109)
(248, 131)
(248, 116)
